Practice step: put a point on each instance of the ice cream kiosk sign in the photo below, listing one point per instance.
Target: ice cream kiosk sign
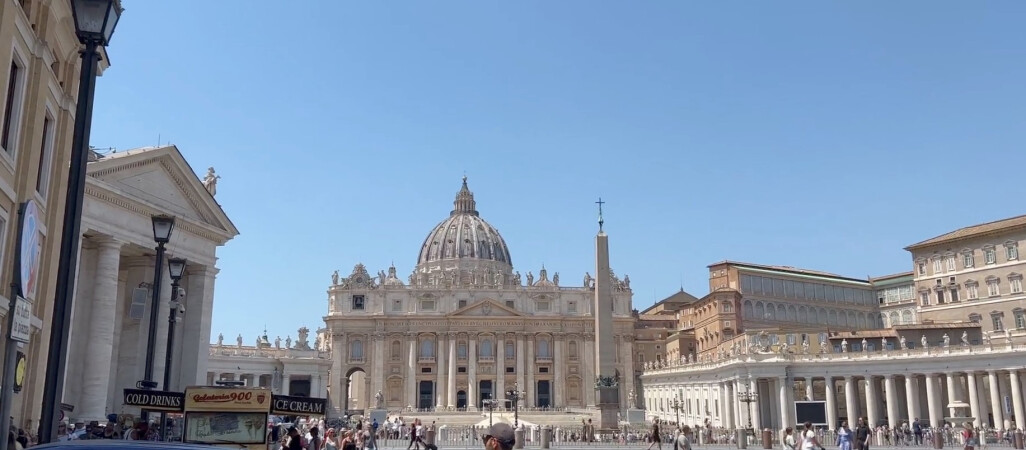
(225, 415)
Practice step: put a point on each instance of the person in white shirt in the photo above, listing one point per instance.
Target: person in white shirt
(809, 441)
(683, 439)
(789, 442)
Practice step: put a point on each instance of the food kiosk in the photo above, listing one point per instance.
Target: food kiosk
(235, 416)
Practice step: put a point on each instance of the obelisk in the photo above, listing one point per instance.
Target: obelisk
(607, 390)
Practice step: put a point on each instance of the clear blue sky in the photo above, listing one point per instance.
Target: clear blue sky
(825, 135)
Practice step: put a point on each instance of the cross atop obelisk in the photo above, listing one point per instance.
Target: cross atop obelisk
(600, 203)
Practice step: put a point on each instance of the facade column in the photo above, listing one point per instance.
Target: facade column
(530, 389)
(831, 401)
(471, 372)
(932, 401)
(103, 312)
(995, 399)
(1020, 414)
(872, 402)
(785, 390)
(892, 402)
(974, 398)
(728, 404)
(627, 362)
(558, 359)
(753, 386)
(451, 382)
(952, 393)
(377, 375)
(440, 383)
(522, 360)
(411, 372)
(850, 399)
(499, 388)
(810, 394)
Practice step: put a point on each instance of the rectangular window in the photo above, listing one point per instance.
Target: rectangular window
(12, 110)
(509, 304)
(972, 292)
(940, 297)
(461, 304)
(461, 369)
(778, 288)
(954, 295)
(746, 284)
(938, 266)
(397, 305)
(993, 288)
(543, 305)
(461, 350)
(820, 292)
(1020, 320)
(950, 262)
(358, 303)
(427, 305)
(45, 157)
(921, 267)
(988, 256)
(968, 260)
(788, 289)
(998, 325)
(1016, 285)
(924, 298)
(799, 289)
(571, 306)
(1012, 252)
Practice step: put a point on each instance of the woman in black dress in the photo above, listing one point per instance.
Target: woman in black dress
(656, 438)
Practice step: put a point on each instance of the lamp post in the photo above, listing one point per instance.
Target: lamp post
(94, 24)
(176, 267)
(748, 397)
(514, 395)
(676, 406)
(162, 228)
(491, 406)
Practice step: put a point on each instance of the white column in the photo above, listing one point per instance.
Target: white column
(995, 399)
(199, 307)
(892, 401)
(627, 362)
(872, 400)
(850, 400)
(753, 386)
(558, 359)
(728, 404)
(440, 382)
(1020, 414)
(499, 388)
(411, 372)
(377, 375)
(472, 372)
(932, 402)
(100, 349)
(784, 388)
(831, 402)
(451, 385)
(522, 365)
(809, 393)
(531, 387)
(974, 398)
(952, 393)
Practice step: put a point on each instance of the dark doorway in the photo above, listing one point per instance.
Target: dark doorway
(425, 400)
(485, 389)
(299, 388)
(461, 399)
(544, 399)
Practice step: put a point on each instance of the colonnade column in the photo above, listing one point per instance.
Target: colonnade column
(441, 386)
(809, 393)
(471, 372)
(452, 371)
(850, 400)
(784, 389)
(995, 399)
(96, 377)
(753, 386)
(974, 398)
(892, 401)
(872, 409)
(1020, 415)
(411, 372)
(952, 393)
(728, 404)
(931, 400)
(831, 402)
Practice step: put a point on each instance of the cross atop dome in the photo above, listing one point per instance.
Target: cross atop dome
(464, 203)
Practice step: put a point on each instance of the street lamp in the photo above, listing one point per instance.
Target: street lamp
(748, 397)
(94, 25)
(676, 406)
(176, 268)
(162, 228)
(491, 406)
(514, 395)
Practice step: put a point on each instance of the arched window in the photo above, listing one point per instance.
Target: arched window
(544, 350)
(573, 350)
(487, 350)
(356, 350)
(906, 317)
(760, 311)
(749, 311)
(427, 348)
(396, 351)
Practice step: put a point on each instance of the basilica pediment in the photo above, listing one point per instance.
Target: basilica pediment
(485, 308)
(135, 174)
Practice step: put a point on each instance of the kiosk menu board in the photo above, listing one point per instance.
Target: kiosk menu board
(226, 415)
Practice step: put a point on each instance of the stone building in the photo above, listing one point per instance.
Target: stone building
(465, 327)
(110, 318)
(38, 95)
(896, 295)
(973, 273)
(287, 367)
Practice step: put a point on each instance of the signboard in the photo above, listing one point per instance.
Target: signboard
(21, 330)
(20, 366)
(227, 399)
(30, 249)
(285, 405)
(226, 428)
(811, 411)
(155, 400)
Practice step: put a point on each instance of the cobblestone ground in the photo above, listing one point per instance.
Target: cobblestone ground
(402, 445)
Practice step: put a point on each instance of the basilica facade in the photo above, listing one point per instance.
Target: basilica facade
(465, 327)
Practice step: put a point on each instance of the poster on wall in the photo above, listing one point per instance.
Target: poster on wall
(226, 427)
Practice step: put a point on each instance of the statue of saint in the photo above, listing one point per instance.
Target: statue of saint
(555, 278)
(220, 339)
(926, 343)
(516, 279)
(379, 400)
(947, 339)
(986, 338)
(288, 341)
(903, 342)
(883, 343)
(865, 345)
(238, 340)
(965, 338)
(210, 181)
(530, 279)
(844, 346)
(627, 281)
(334, 278)
(277, 342)
(587, 280)
(805, 346)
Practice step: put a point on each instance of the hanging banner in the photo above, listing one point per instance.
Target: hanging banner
(285, 405)
(30, 248)
(155, 400)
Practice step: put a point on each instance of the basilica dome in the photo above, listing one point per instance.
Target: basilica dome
(464, 241)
